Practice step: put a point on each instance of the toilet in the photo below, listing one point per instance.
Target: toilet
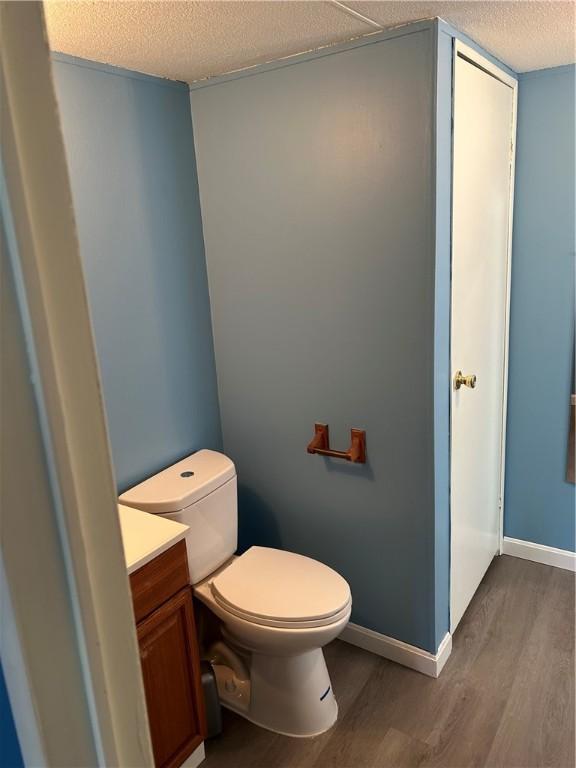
(275, 609)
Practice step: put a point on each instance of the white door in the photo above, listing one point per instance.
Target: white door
(484, 109)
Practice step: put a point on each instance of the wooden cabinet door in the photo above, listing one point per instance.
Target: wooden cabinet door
(171, 671)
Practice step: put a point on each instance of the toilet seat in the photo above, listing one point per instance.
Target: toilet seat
(281, 589)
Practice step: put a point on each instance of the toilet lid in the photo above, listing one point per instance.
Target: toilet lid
(273, 585)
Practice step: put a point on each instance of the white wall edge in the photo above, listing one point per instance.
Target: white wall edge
(100, 665)
(539, 553)
(395, 650)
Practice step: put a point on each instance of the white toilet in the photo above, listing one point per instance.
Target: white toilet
(276, 609)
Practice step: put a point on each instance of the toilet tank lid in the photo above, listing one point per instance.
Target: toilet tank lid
(182, 484)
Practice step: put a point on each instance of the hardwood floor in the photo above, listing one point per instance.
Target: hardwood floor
(505, 698)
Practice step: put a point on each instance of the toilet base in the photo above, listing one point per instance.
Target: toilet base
(291, 695)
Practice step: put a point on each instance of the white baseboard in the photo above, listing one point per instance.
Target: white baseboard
(195, 758)
(408, 655)
(538, 553)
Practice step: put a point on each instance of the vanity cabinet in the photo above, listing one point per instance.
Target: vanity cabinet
(163, 608)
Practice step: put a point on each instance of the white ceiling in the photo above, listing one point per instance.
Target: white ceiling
(193, 40)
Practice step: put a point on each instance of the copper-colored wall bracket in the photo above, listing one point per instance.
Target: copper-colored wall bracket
(320, 444)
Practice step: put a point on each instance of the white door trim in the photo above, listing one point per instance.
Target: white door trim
(411, 656)
(471, 55)
(82, 509)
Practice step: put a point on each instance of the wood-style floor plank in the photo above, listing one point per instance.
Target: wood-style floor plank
(481, 680)
(504, 700)
(540, 705)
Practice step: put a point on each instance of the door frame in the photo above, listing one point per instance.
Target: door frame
(81, 554)
(477, 59)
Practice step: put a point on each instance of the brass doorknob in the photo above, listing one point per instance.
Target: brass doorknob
(467, 381)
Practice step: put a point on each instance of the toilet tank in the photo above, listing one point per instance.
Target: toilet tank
(200, 492)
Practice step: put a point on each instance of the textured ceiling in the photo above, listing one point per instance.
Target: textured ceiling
(525, 35)
(193, 40)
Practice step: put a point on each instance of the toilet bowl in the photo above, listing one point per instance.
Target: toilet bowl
(276, 609)
(288, 689)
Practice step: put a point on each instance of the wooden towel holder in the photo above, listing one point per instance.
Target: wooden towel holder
(320, 444)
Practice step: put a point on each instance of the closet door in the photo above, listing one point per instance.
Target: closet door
(484, 109)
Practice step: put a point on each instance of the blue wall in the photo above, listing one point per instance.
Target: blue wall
(316, 184)
(539, 503)
(10, 754)
(130, 150)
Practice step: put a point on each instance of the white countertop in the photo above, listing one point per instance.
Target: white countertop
(145, 536)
